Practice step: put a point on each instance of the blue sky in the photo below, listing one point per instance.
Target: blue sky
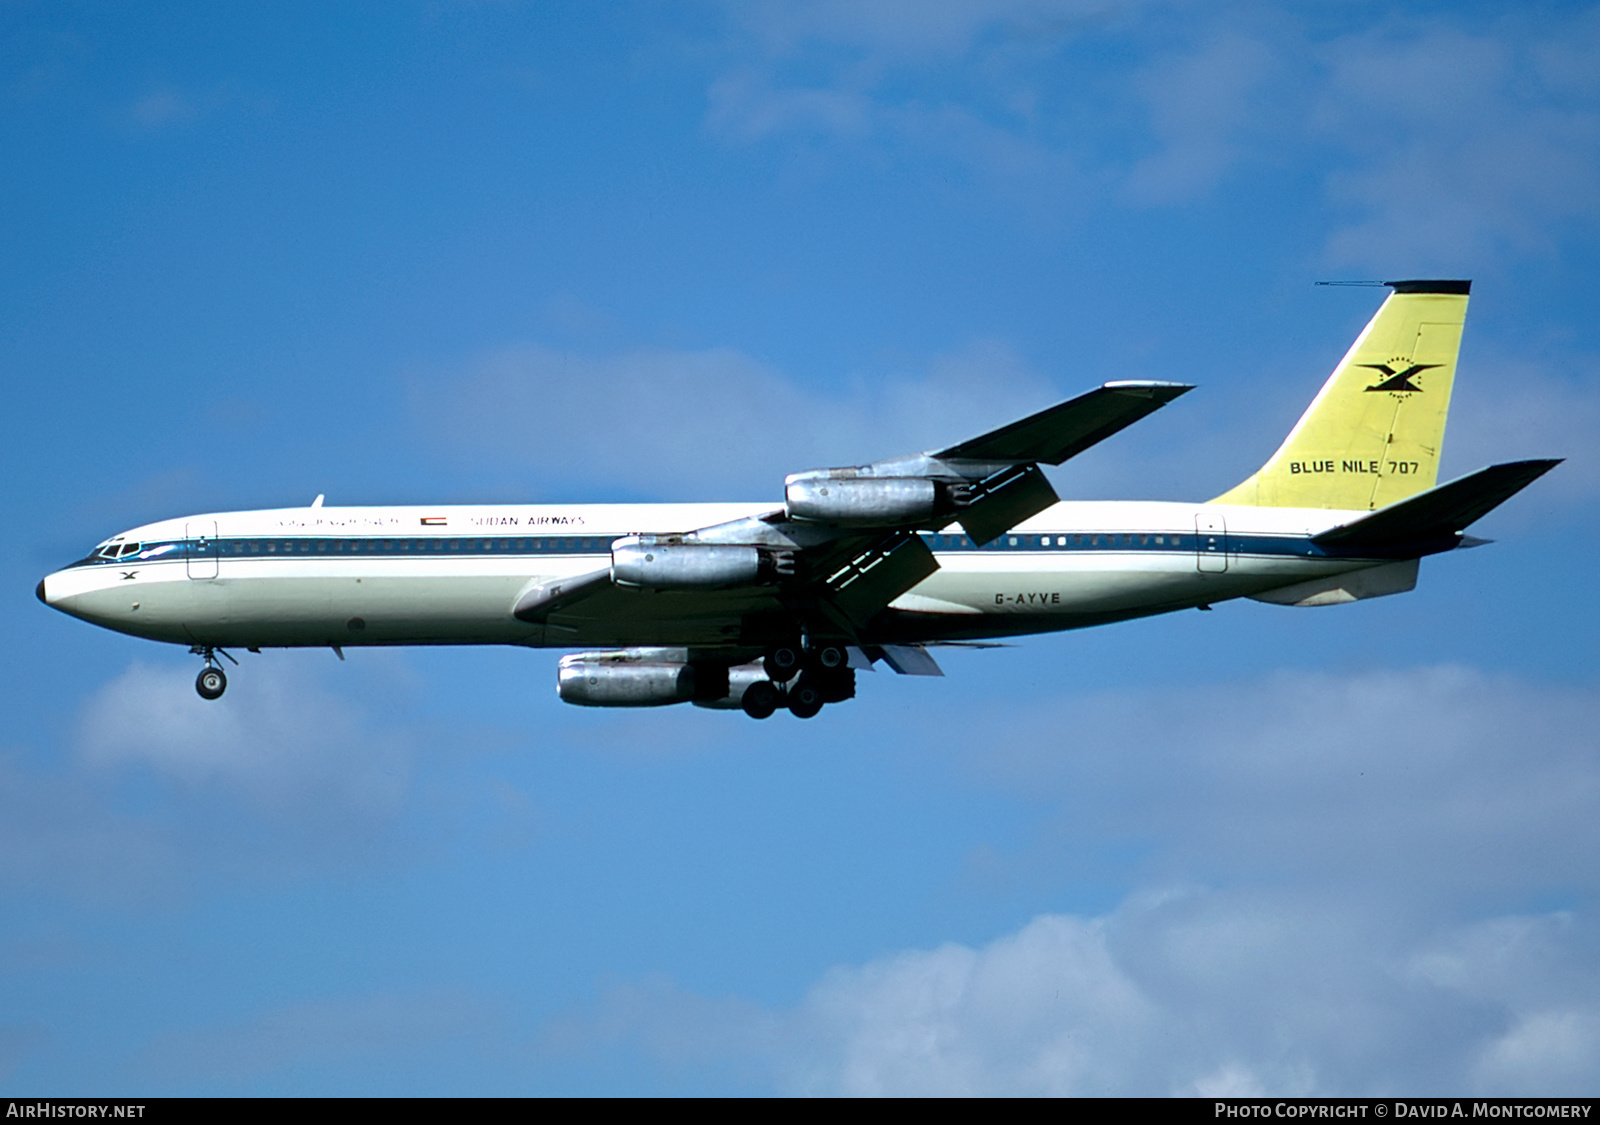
(448, 252)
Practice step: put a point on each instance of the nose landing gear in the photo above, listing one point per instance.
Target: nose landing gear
(212, 681)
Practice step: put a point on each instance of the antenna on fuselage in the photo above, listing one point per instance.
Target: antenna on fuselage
(317, 503)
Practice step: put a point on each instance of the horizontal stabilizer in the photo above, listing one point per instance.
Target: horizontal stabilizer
(1068, 428)
(1439, 512)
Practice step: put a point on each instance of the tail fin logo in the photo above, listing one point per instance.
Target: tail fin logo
(1399, 381)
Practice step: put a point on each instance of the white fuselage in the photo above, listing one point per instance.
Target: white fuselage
(451, 575)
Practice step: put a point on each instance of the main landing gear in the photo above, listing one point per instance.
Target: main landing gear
(212, 681)
(802, 679)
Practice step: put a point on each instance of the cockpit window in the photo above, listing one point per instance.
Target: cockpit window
(108, 550)
(130, 549)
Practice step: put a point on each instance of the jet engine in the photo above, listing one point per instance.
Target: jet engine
(647, 563)
(653, 677)
(627, 678)
(868, 501)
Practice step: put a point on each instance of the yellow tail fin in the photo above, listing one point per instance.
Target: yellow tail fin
(1373, 433)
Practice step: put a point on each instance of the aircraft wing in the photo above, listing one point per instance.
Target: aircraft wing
(846, 542)
(1068, 428)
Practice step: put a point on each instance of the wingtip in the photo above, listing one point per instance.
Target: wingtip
(1148, 388)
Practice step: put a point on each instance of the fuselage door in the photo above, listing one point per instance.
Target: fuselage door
(1211, 542)
(201, 540)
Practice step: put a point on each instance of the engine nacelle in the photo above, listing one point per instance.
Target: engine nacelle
(684, 566)
(630, 678)
(713, 693)
(864, 501)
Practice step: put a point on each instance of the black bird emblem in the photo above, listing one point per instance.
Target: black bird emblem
(1397, 380)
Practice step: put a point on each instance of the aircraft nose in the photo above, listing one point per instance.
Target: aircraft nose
(39, 592)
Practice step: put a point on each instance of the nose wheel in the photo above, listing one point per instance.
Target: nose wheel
(212, 681)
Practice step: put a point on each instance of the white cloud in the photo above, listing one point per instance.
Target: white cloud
(316, 1032)
(280, 775)
(1333, 870)
(1441, 141)
(937, 29)
(168, 107)
(1507, 409)
(1200, 102)
(710, 425)
(161, 108)
(1044, 1011)
(1190, 993)
(276, 739)
(1460, 146)
(1429, 784)
(745, 106)
(958, 80)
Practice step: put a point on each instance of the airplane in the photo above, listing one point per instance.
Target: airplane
(757, 607)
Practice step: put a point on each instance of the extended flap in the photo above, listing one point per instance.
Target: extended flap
(879, 575)
(1005, 500)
